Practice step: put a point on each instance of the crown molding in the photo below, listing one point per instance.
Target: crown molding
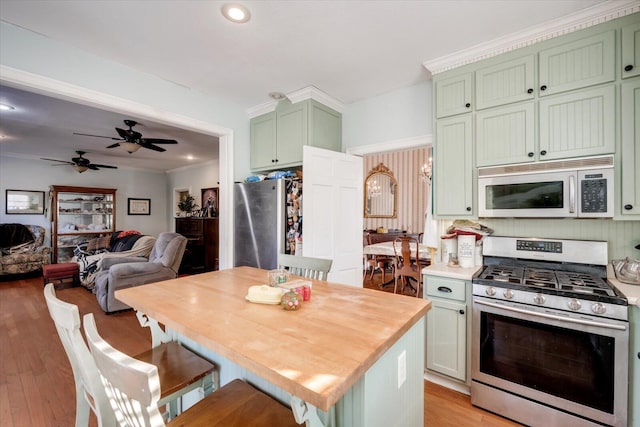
(598, 14)
(309, 92)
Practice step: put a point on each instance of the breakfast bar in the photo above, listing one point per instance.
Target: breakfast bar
(356, 355)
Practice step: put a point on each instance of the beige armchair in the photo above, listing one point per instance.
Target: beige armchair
(22, 249)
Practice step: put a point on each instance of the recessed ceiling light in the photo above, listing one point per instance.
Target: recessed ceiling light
(277, 95)
(236, 13)
(6, 107)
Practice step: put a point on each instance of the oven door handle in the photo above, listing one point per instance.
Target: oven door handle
(552, 316)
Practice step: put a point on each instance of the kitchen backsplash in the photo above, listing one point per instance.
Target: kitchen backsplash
(622, 236)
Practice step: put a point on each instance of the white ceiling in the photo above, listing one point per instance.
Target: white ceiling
(351, 50)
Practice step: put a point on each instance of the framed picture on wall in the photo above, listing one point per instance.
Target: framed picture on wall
(210, 199)
(24, 202)
(138, 206)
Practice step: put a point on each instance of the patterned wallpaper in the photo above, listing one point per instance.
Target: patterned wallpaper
(412, 191)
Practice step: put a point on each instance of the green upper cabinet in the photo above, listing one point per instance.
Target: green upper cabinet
(630, 150)
(585, 62)
(505, 83)
(453, 95)
(580, 123)
(631, 50)
(505, 135)
(277, 137)
(263, 140)
(454, 167)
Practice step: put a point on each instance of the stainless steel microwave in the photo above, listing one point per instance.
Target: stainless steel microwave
(578, 188)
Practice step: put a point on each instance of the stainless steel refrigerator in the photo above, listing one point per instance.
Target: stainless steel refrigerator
(268, 221)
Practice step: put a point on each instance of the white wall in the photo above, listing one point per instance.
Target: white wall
(30, 52)
(403, 113)
(36, 175)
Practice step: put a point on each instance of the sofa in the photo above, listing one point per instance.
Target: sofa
(120, 244)
(22, 249)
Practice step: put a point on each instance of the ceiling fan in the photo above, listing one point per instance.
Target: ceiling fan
(132, 140)
(81, 164)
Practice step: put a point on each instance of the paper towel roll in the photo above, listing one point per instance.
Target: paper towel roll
(466, 250)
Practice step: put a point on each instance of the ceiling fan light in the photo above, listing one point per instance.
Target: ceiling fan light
(130, 147)
(80, 168)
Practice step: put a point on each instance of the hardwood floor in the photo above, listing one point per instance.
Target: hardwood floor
(37, 386)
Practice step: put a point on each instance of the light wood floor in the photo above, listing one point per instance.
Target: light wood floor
(37, 386)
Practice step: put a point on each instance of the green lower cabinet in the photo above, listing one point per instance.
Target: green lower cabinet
(634, 366)
(448, 326)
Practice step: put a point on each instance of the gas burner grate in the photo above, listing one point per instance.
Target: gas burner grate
(583, 283)
(540, 278)
(502, 273)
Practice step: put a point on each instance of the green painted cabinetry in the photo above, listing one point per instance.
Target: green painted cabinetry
(505, 83)
(277, 137)
(634, 366)
(453, 95)
(631, 50)
(630, 150)
(447, 326)
(585, 62)
(505, 135)
(454, 171)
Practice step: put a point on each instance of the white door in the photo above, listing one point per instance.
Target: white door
(332, 212)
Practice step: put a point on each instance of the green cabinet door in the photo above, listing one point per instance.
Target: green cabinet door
(325, 127)
(505, 135)
(263, 141)
(447, 338)
(630, 150)
(453, 175)
(292, 132)
(586, 62)
(453, 95)
(505, 83)
(581, 123)
(631, 50)
(634, 366)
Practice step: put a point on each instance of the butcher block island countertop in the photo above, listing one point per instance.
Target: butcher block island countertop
(316, 353)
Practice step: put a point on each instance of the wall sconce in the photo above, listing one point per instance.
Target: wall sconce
(425, 171)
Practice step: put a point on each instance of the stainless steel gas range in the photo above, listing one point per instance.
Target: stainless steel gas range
(550, 340)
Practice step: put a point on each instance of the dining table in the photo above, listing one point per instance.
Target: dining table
(387, 249)
(349, 356)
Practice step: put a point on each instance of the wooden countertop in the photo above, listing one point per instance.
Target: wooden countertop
(316, 353)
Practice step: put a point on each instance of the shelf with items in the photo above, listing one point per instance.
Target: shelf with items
(79, 215)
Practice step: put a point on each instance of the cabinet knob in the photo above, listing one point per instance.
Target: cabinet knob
(530, 91)
(628, 207)
(628, 68)
(543, 153)
(468, 208)
(461, 311)
(530, 154)
(467, 105)
(273, 160)
(543, 87)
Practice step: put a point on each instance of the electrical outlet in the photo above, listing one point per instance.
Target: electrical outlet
(402, 368)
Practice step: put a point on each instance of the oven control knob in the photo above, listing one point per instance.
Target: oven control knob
(598, 308)
(574, 304)
(508, 294)
(539, 299)
(490, 291)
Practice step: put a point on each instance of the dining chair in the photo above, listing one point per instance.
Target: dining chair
(133, 388)
(407, 266)
(90, 394)
(180, 369)
(383, 262)
(311, 268)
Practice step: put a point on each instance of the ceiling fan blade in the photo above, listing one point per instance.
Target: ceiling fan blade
(98, 136)
(117, 144)
(93, 167)
(56, 160)
(102, 166)
(158, 141)
(152, 147)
